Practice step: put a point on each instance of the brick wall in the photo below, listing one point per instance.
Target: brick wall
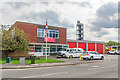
(62, 35)
(29, 29)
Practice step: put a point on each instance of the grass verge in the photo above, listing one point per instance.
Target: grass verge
(28, 61)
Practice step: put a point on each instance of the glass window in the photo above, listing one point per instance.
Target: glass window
(37, 49)
(38, 29)
(50, 33)
(40, 32)
(53, 46)
(53, 31)
(57, 32)
(53, 35)
(59, 46)
(47, 34)
(52, 49)
(57, 36)
(31, 45)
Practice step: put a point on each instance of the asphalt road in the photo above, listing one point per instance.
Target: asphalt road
(101, 69)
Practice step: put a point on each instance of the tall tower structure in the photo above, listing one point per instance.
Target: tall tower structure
(79, 31)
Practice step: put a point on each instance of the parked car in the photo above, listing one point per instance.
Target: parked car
(60, 55)
(73, 52)
(92, 55)
(114, 52)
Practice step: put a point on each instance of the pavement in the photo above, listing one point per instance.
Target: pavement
(107, 68)
(73, 61)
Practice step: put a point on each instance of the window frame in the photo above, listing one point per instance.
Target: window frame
(48, 32)
(42, 33)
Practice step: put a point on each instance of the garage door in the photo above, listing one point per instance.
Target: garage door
(72, 44)
(91, 46)
(82, 45)
(100, 48)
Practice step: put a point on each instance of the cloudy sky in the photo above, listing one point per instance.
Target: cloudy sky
(100, 17)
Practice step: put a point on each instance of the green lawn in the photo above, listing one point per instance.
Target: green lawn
(28, 61)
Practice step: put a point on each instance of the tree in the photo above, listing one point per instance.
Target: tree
(112, 43)
(14, 39)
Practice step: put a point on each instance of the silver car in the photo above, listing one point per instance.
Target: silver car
(92, 55)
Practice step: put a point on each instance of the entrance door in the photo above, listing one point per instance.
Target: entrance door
(44, 51)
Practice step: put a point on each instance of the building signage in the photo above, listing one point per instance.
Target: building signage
(50, 39)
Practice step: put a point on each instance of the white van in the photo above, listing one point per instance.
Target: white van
(73, 52)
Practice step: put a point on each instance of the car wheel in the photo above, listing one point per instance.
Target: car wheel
(83, 58)
(102, 58)
(91, 58)
(115, 53)
(86, 59)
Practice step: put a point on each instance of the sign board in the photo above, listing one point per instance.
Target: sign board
(50, 39)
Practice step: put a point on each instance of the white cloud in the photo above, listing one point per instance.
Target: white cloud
(68, 14)
(113, 34)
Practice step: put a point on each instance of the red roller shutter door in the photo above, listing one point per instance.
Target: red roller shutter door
(82, 45)
(72, 44)
(91, 46)
(100, 48)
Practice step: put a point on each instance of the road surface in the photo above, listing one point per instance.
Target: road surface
(101, 69)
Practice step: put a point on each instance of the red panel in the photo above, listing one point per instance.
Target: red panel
(72, 44)
(100, 48)
(91, 46)
(50, 39)
(82, 45)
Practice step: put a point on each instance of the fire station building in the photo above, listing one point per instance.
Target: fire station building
(97, 46)
(56, 39)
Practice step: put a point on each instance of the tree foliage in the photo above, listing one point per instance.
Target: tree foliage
(112, 43)
(14, 39)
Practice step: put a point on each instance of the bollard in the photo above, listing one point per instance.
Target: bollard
(8, 60)
(70, 57)
(80, 57)
(32, 59)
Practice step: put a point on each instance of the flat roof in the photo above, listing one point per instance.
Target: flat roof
(39, 24)
(70, 40)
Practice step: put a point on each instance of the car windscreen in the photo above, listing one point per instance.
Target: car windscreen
(85, 52)
(63, 49)
(92, 52)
